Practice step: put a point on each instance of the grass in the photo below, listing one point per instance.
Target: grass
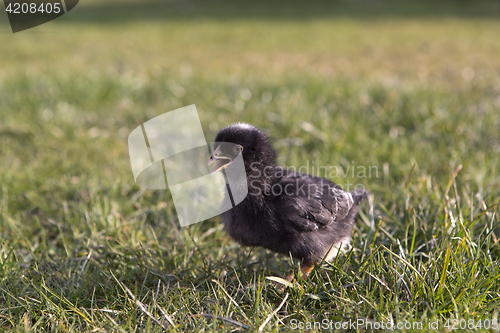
(412, 93)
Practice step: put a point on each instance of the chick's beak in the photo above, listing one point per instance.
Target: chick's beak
(220, 160)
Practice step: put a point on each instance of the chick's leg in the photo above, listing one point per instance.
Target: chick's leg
(306, 270)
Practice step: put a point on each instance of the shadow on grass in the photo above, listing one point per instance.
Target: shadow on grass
(281, 10)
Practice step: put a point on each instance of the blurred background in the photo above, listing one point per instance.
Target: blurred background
(339, 77)
(399, 85)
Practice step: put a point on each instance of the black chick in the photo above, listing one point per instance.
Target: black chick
(307, 217)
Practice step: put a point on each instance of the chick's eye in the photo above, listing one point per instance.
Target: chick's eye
(237, 149)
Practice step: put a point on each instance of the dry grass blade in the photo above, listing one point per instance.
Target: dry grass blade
(231, 299)
(410, 176)
(227, 320)
(280, 281)
(165, 314)
(143, 308)
(261, 327)
(379, 281)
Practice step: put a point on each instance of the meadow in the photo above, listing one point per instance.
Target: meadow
(408, 89)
